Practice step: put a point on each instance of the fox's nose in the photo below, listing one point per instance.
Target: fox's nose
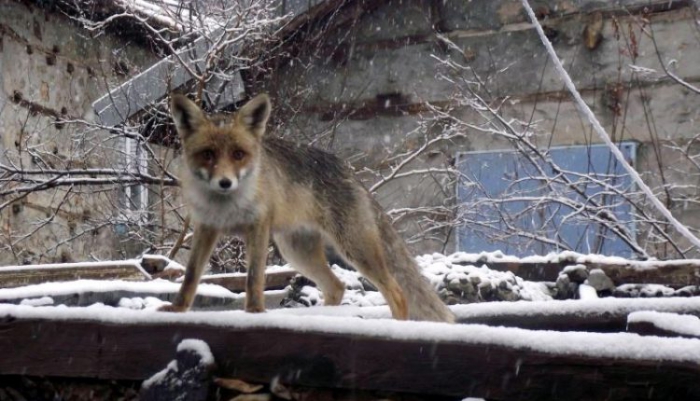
(225, 183)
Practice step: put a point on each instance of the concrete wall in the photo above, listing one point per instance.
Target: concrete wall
(51, 70)
(364, 91)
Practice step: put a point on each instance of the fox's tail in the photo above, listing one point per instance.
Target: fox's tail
(423, 301)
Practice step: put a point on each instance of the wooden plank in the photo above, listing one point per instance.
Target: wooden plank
(87, 292)
(663, 324)
(235, 282)
(673, 273)
(17, 276)
(605, 315)
(157, 81)
(87, 347)
(153, 84)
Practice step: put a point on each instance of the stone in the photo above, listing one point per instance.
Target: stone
(600, 281)
(187, 378)
(577, 273)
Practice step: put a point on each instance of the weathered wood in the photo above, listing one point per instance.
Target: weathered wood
(187, 377)
(111, 293)
(673, 273)
(19, 388)
(85, 347)
(153, 84)
(235, 282)
(605, 315)
(17, 276)
(663, 324)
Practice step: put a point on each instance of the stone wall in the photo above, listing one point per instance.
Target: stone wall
(51, 70)
(366, 87)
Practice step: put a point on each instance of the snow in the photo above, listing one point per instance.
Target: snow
(160, 376)
(141, 303)
(597, 345)
(578, 307)
(169, 263)
(270, 269)
(467, 281)
(571, 257)
(199, 347)
(77, 265)
(43, 301)
(586, 292)
(458, 269)
(206, 358)
(647, 290)
(682, 324)
(81, 286)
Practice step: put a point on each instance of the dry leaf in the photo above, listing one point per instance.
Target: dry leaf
(238, 385)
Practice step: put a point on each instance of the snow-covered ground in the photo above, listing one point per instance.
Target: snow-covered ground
(482, 294)
(596, 345)
(460, 278)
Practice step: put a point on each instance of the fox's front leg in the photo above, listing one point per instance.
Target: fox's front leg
(202, 246)
(257, 242)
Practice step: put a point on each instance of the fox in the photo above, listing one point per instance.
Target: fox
(238, 181)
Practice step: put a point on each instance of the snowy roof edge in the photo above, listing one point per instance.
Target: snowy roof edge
(132, 96)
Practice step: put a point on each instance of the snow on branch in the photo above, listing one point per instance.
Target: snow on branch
(598, 128)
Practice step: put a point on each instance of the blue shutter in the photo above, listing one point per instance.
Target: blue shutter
(506, 184)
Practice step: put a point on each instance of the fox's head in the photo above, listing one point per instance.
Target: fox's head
(221, 151)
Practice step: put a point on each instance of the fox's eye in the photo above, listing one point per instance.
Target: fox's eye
(208, 155)
(238, 154)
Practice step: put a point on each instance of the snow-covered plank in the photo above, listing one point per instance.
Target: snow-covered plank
(16, 276)
(663, 324)
(135, 295)
(418, 357)
(602, 315)
(235, 282)
(153, 84)
(674, 273)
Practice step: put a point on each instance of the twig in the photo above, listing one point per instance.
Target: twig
(586, 111)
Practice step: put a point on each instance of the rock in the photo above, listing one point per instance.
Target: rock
(688, 291)
(650, 291)
(153, 264)
(577, 273)
(565, 288)
(187, 378)
(367, 285)
(600, 281)
(585, 291)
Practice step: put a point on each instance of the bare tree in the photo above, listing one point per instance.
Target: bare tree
(122, 177)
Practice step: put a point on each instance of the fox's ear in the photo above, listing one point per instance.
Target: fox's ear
(186, 115)
(254, 114)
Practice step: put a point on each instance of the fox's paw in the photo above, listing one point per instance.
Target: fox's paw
(255, 309)
(172, 308)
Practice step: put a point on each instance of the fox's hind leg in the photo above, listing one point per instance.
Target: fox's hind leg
(362, 247)
(305, 250)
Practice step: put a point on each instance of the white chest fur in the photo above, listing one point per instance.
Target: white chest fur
(225, 212)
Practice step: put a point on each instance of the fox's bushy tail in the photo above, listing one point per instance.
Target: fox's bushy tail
(423, 301)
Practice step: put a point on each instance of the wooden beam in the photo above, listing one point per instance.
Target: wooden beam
(673, 273)
(169, 74)
(329, 353)
(600, 315)
(235, 282)
(87, 292)
(17, 276)
(663, 324)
